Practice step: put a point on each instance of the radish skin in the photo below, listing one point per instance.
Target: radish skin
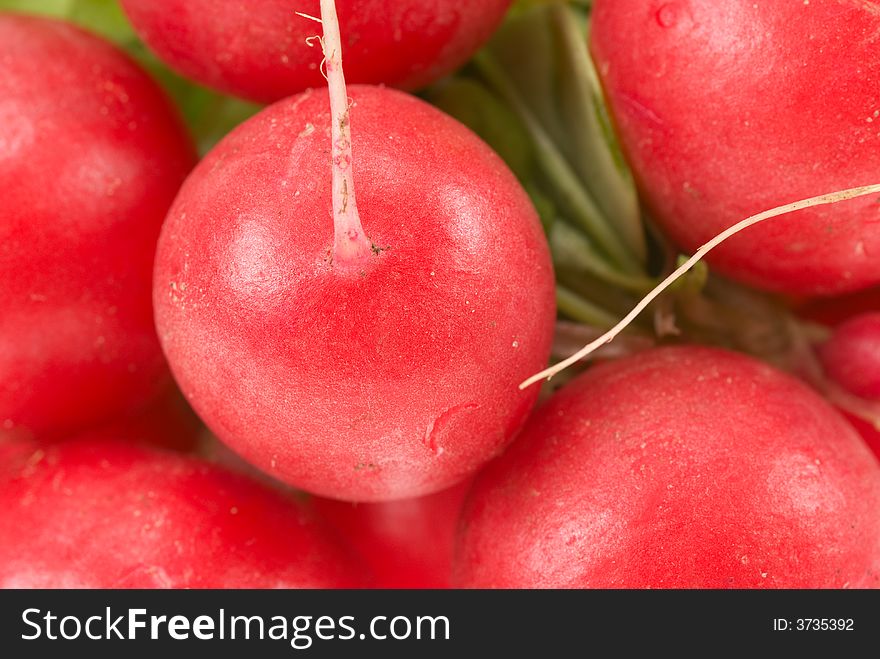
(91, 156)
(406, 543)
(724, 109)
(680, 467)
(851, 357)
(257, 49)
(390, 381)
(101, 513)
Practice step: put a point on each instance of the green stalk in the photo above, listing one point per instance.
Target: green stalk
(577, 308)
(573, 250)
(591, 151)
(559, 173)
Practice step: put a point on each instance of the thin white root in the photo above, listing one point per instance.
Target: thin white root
(310, 42)
(309, 16)
(821, 200)
(350, 243)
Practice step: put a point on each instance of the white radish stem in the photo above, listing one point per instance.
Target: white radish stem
(350, 243)
(608, 336)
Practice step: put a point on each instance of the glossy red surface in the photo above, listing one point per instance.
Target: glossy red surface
(391, 380)
(678, 468)
(726, 109)
(258, 49)
(91, 156)
(96, 513)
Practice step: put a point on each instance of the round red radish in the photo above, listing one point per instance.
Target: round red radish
(93, 513)
(678, 468)
(726, 109)
(406, 543)
(91, 156)
(258, 49)
(393, 375)
(851, 357)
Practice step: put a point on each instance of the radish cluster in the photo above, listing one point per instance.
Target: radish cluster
(354, 295)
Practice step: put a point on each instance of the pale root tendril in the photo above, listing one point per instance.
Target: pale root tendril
(607, 337)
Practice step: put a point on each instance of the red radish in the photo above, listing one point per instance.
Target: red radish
(91, 156)
(678, 467)
(725, 109)
(406, 543)
(93, 513)
(378, 364)
(257, 49)
(851, 357)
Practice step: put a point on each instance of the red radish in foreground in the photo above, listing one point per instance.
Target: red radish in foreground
(851, 357)
(258, 49)
(678, 467)
(91, 156)
(365, 351)
(93, 513)
(725, 109)
(406, 543)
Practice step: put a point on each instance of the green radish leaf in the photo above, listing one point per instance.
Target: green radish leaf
(524, 49)
(525, 5)
(547, 210)
(474, 105)
(59, 8)
(694, 280)
(104, 17)
(591, 148)
(542, 53)
(573, 250)
(556, 174)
